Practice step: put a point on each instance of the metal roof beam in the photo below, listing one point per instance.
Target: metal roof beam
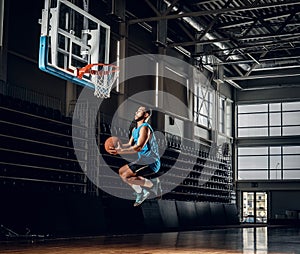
(191, 43)
(255, 46)
(214, 12)
(260, 60)
(254, 37)
(153, 7)
(283, 73)
(170, 7)
(251, 21)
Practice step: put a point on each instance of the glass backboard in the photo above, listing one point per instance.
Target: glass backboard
(71, 38)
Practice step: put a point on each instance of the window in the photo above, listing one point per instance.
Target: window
(222, 115)
(203, 105)
(229, 118)
(253, 163)
(276, 162)
(273, 119)
(225, 116)
(269, 163)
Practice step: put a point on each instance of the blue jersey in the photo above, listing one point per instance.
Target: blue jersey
(149, 154)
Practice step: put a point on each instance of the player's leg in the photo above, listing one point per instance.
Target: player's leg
(126, 173)
(133, 174)
(129, 176)
(153, 184)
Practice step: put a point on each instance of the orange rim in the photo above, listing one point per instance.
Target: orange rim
(87, 69)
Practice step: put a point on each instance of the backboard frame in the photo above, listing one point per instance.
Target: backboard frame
(84, 39)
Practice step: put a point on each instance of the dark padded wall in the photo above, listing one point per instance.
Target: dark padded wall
(217, 214)
(152, 216)
(231, 214)
(122, 217)
(186, 213)
(169, 213)
(54, 215)
(204, 217)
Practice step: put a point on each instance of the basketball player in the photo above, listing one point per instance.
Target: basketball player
(142, 142)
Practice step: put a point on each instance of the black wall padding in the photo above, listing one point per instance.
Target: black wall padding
(231, 214)
(203, 214)
(53, 215)
(122, 217)
(217, 214)
(152, 216)
(168, 212)
(187, 214)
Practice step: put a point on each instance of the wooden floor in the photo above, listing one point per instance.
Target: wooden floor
(233, 240)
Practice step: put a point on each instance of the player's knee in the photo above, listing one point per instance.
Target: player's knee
(124, 176)
(121, 171)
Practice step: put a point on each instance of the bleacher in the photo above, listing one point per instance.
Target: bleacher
(37, 150)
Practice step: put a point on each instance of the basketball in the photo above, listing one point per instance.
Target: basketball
(111, 142)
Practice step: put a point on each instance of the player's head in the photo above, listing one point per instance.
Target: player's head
(143, 113)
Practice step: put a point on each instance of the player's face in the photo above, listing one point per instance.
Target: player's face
(140, 114)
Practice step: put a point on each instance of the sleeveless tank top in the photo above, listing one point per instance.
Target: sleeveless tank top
(149, 153)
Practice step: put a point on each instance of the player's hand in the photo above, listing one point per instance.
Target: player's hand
(115, 150)
(112, 150)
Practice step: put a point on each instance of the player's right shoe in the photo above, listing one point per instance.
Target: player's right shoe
(156, 188)
(141, 197)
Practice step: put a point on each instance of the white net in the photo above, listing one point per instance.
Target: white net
(104, 80)
(103, 77)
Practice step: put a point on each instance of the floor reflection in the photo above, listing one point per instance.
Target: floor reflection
(255, 240)
(259, 240)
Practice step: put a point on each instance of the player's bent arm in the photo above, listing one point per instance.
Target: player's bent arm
(129, 150)
(144, 135)
(128, 144)
(124, 150)
(142, 140)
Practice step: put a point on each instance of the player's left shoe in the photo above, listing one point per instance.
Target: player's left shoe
(141, 197)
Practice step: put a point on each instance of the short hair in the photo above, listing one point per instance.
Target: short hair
(148, 110)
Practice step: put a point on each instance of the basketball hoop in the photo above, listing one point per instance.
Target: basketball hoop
(102, 75)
